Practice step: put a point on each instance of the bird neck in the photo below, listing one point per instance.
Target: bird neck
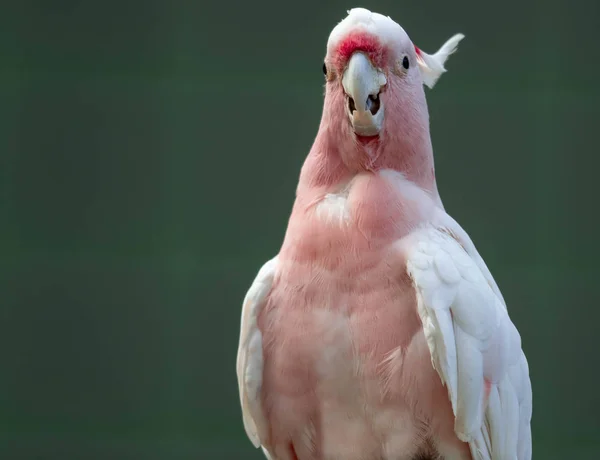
(335, 157)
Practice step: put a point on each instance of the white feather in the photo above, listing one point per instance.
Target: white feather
(473, 343)
(249, 365)
(432, 65)
(382, 26)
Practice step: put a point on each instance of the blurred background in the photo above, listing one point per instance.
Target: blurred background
(149, 153)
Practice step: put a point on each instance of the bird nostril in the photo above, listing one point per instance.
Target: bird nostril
(373, 104)
(351, 105)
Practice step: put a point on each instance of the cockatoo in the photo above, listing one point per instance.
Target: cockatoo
(377, 332)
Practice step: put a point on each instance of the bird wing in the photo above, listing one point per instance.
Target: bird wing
(474, 346)
(250, 354)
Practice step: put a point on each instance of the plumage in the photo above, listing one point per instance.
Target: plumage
(462, 313)
(432, 65)
(378, 332)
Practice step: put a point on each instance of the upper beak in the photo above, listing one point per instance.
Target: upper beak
(362, 83)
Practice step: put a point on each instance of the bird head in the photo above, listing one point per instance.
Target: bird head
(375, 75)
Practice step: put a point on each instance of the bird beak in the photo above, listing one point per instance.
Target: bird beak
(362, 84)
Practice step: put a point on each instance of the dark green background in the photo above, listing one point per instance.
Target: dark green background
(149, 152)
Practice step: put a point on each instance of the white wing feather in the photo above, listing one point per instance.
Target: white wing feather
(250, 357)
(473, 343)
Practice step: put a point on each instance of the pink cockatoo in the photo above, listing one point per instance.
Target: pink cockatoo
(378, 332)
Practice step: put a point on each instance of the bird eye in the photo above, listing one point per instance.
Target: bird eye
(405, 63)
(324, 69)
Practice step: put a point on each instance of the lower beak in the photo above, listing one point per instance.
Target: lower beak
(362, 84)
